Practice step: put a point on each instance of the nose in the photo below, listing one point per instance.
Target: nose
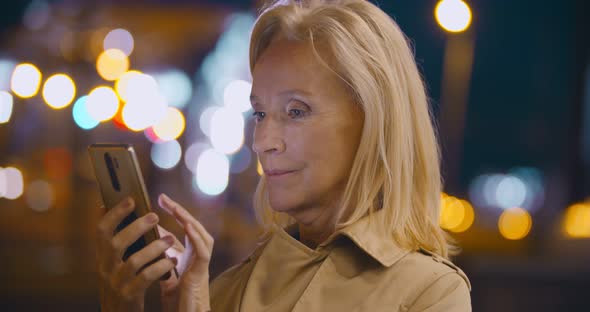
(268, 138)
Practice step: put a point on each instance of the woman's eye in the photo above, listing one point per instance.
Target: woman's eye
(296, 113)
(258, 116)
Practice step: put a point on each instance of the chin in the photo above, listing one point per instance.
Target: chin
(282, 203)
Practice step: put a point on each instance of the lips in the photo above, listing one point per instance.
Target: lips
(275, 172)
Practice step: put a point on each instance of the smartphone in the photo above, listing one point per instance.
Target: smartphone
(119, 176)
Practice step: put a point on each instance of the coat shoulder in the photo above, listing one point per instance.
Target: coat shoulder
(429, 279)
(427, 266)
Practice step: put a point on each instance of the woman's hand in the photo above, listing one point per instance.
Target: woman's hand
(190, 291)
(123, 283)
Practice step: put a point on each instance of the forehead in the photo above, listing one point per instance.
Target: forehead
(291, 64)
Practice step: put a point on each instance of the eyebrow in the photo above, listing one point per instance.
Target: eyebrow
(289, 92)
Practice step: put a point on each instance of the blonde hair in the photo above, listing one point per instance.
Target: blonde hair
(397, 164)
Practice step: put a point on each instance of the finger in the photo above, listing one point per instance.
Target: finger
(184, 217)
(133, 232)
(177, 248)
(150, 274)
(138, 260)
(201, 248)
(109, 222)
(163, 232)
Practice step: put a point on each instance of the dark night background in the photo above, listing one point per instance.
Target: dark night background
(528, 105)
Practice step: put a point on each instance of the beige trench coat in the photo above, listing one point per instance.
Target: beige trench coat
(356, 270)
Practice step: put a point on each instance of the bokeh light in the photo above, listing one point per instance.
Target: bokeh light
(205, 119)
(212, 172)
(118, 119)
(139, 115)
(521, 187)
(121, 86)
(515, 223)
(236, 95)
(145, 106)
(120, 39)
(6, 69)
(192, 154)
(151, 136)
(40, 196)
(171, 126)
(139, 87)
(175, 86)
(468, 218)
(576, 222)
(82, 116)
(59, 90)
(510, 192)
(451, 213)
(25, 80)
(14, 183)
(102, 103)
(3, 182)
(227, 130)
(166, 155)
(453, 15)
(6, 103)
(111, 64)
(456, 215)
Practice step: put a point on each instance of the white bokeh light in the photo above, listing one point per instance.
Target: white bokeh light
(166, 155)
(3, 182)
(212, 174)
(236, 95)
(102, 103)
(192, 153)
(25, 80)
(6, 103)
(120, 39)
(123, 81)
(59, 90)
(6, 69)
(227, 130)
(453, 15)
(141, 87)
(14, 183)
(141, 114)
(510, 192)
(175, 86)
(205, 119)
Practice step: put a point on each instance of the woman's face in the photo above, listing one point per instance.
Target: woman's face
(307, 125)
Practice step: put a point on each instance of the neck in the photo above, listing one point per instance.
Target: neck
(316, 225)
(312, 237)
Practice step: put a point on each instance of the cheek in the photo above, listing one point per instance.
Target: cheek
(327, 153)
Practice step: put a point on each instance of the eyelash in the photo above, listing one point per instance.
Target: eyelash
(257, 115)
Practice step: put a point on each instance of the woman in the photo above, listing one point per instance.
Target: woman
(351, 188)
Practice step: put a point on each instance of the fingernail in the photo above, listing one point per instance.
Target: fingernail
(152, 217)
(129, 202)
(168, 240)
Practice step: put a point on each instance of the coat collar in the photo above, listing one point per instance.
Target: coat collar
(367, 238)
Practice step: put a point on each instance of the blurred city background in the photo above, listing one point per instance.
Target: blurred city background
(509, 84)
